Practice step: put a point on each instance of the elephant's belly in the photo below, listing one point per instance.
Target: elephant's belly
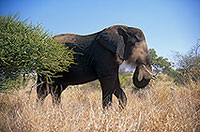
(80, 75)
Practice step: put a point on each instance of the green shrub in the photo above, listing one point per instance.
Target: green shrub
(161, 64)
(126, 79)
(26, 49)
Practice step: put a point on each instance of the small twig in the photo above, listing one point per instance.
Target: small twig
(34, 85)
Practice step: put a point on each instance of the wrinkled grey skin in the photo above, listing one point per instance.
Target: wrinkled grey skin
(101, 55)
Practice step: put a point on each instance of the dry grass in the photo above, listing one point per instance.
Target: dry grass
(162, 107)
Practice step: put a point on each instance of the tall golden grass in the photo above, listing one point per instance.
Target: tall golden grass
(162, 107)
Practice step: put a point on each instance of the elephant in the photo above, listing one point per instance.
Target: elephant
(100, 55)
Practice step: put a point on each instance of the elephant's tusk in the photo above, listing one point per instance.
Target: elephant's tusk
(153, 76)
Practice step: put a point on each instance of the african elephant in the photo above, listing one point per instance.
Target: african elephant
(101, 55)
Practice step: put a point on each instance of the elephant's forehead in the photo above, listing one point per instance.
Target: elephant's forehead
(141, 45)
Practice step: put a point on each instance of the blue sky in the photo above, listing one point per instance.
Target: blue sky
(169, 25)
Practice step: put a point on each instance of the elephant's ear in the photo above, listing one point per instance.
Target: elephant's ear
(113, 40)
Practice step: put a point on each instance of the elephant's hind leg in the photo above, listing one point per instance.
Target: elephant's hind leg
(42, 93)
(56, 91)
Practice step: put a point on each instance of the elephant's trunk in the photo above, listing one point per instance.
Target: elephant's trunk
(142, 76)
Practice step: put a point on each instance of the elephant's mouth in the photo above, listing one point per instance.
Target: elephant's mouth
(142, 76)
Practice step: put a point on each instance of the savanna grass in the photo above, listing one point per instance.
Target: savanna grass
(161, 107)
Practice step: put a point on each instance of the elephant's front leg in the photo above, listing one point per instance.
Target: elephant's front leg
(107, 85)
(119, 93)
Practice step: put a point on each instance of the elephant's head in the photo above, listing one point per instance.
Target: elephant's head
(129, 44)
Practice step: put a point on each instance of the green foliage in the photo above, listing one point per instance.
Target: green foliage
(125, 79)
(188, 70)
(28, 49)
(161, 64)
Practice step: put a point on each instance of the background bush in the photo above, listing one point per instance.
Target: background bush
(188, 65)
(26, 49)
(161, 64)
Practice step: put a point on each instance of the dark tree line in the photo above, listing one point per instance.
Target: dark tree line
(188, 65)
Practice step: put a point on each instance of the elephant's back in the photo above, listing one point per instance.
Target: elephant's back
(73, 40)
(66, 37)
